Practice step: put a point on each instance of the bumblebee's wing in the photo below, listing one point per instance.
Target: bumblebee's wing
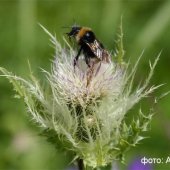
(99, 51)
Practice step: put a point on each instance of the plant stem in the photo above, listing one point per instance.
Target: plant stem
(80, 164)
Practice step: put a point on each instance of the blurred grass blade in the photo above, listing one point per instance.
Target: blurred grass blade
(155, 26)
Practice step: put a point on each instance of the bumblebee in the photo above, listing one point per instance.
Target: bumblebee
(89, 45)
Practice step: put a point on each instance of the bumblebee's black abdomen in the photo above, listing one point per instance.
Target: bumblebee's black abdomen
(88, 38)
(87, 50)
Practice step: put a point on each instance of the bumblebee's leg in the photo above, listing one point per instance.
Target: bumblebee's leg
(77, 57)
(87, 60)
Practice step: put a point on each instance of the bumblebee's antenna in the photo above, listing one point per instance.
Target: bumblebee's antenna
(66, 27)
(75, 23)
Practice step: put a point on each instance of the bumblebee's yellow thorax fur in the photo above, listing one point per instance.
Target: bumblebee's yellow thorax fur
(81, 33)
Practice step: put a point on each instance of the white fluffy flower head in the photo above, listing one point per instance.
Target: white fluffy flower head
(97, 100)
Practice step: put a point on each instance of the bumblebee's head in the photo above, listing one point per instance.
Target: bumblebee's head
(74, 31)
(81, 34)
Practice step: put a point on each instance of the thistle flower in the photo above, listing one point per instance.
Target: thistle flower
(83, 111)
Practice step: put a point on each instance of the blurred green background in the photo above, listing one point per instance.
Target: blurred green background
(146, 25)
